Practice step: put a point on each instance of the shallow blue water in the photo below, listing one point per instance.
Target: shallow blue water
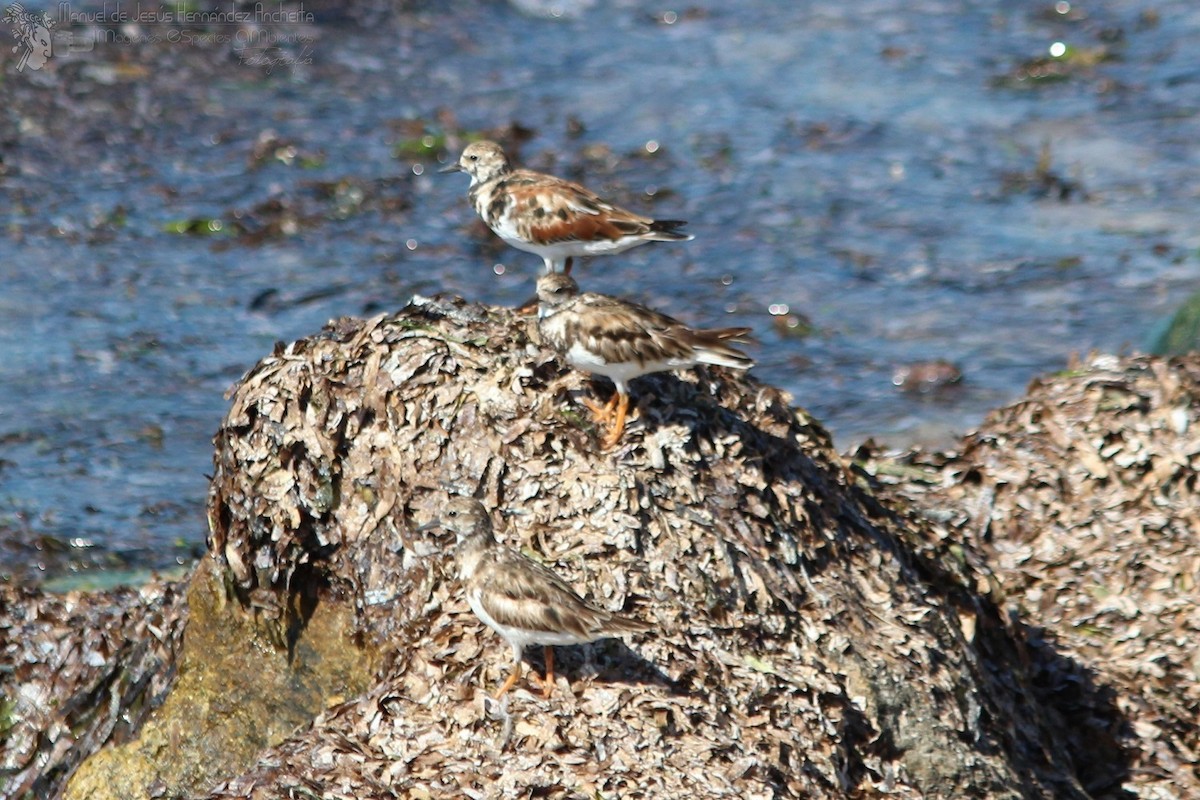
(847, 161)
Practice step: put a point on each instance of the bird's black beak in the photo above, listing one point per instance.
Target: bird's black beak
(433, 524)
(452, 167)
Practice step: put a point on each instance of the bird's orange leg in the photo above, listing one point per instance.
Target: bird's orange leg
(618, 425)
(508, 684)
(548, 683)
(601, 414)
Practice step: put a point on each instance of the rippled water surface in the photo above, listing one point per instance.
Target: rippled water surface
(871, 186)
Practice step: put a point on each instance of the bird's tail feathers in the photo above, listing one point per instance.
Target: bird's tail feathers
(713, 347)
(619, 624)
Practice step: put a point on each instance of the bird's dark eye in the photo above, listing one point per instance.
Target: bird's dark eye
(472, 158)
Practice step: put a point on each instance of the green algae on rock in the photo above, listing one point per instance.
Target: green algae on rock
(1181, 333)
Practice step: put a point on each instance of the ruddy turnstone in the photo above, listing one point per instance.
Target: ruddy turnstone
(621, 340)
(549, 216)
(517, 597)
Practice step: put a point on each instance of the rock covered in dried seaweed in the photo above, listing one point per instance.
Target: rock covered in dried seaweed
(78, 671)
(889, 593)
(1084, 498)
(803, 650)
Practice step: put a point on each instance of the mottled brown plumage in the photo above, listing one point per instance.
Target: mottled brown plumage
(520, 599)
(549, 216)
(622, 340)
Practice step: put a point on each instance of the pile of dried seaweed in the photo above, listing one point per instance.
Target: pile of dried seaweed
(1084, 497)
(801, 651)
(78, 671)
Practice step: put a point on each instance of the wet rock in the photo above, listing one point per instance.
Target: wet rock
(245, 683)
(269, 147)
(1043, 181)
(926, 377)
(791, 324)
(1063, 64)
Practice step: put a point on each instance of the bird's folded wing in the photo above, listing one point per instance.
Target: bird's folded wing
(521, 593)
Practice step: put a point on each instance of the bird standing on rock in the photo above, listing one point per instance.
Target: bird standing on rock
(622, 340)
(518, 598)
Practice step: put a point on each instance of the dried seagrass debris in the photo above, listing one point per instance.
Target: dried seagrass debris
(1083, 498)
(802, 647)
(78, 671)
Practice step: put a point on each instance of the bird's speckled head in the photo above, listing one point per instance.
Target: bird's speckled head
(482, 161)
(465, 517)
(554, 289)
